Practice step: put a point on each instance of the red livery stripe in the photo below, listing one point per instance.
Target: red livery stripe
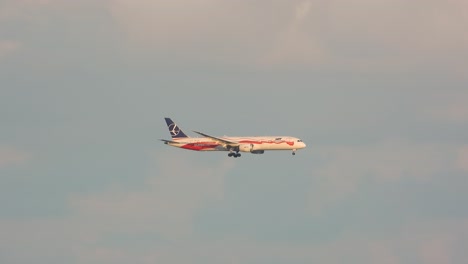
(199, 146)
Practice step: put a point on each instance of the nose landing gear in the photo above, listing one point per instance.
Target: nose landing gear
(294, 152)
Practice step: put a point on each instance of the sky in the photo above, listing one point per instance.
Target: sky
(376, 89)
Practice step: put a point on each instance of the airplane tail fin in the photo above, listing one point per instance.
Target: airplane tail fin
(175, 131)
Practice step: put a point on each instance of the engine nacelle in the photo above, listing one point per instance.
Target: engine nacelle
(250, 148)
(246, 147)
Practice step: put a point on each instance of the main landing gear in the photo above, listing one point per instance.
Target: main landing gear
(234, 154)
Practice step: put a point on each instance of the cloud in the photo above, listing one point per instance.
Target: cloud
(252, 33)
(19, 9)
(462, 161)
(299, 42)
(399, 24)
(165, 206)
(448, 106)
(455, 112)
(152, 223)
(358, 34)
(302, 10)
(436, 241)
(424, 242)
(10, 156)
(386, 162)
(8, 47)
(437, 249)
(162, 208)
(427, 242)
(185, 28)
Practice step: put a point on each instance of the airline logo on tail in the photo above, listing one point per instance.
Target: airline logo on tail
(174, 129)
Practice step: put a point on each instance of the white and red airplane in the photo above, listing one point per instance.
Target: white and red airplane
(254, 145)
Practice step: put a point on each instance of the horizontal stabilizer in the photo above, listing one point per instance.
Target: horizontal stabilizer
(172, 141)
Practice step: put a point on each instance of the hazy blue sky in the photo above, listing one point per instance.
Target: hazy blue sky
(377, 90)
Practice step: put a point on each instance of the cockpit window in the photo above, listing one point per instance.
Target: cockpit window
(277, 138)
(299, 140)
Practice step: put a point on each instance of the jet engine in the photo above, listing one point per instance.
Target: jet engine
(250, 148)
(246, 147)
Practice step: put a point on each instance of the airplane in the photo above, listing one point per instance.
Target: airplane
(254, 145)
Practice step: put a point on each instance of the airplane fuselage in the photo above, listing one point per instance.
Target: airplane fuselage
(246, 144)
(254, 145)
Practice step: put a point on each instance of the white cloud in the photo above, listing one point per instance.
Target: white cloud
(462, 161)
(388, 161)
(12, 156)
(437, 250)
(303, 10)
(253, 33)
(299, 42)
(8, 47)
(188, 29)
(19, 9)
(435, 241)
(447, 106)
(425, 242)
(165, 206)
(359, 34)
(454, 112)
(113, 226)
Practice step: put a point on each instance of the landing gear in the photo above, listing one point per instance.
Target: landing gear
(294, 152)
(235, 155)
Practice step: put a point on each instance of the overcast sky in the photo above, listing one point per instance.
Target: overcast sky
(376, 88)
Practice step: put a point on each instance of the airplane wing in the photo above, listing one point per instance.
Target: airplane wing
(220, 140)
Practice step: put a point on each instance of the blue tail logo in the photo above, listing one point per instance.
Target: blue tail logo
(175, 131)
